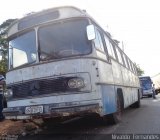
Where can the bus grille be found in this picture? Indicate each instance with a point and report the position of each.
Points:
(41, 87)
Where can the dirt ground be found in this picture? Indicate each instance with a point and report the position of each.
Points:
(8, 127)
(19, 128)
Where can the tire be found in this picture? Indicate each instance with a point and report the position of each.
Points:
(115, 117)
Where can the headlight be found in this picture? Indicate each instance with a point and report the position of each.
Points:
(8, 93)
(76, 83)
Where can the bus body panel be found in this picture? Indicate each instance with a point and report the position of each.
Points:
(128, 84)
(50, 69)
(106, 85)
(125, 75)
(108, 99)
(82, 67)
(105, 73)
(55, 99)
(130, 96)
(117, 73)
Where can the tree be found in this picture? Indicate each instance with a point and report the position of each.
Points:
(4, 44)
(4, 26)
(3, 67)
(139, 70)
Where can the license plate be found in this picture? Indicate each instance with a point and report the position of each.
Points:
(34, 109)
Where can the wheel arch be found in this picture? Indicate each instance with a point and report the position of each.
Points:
(121, 97)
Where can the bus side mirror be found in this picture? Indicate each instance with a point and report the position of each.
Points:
(91, 32)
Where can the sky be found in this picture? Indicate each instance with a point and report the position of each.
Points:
(135, 22)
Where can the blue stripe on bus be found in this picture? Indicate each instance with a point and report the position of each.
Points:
(108, 99)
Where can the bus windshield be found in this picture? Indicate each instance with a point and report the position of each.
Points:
(23, 49)
(64, 39)
(55, 41)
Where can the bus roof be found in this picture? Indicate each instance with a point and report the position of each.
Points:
(44, 16)
(145, 78)
(53, 14)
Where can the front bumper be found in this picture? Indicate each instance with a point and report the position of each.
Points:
(50, 111)
(147, 93)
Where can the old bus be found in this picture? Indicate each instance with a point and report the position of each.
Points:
(62, 63)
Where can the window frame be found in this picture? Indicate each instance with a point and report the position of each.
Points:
(125, 60)
(110, 47)
(57, 22)
(102, 42)
(118, 51)
(19, 34)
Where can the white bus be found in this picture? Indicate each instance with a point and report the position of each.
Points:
(62, 63)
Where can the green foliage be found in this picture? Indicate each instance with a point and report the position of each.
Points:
(4, 26)
(139, 70)
(3, 66)
(4, 44)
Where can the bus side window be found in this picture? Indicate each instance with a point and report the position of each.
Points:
(119, 55)
(125, 61)
(132, 67)
(129, 65)
(98, 42)
(134, 70)
(109, 47)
